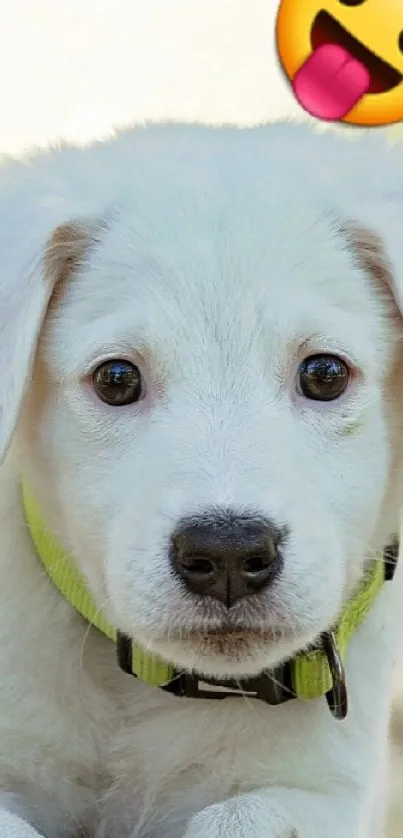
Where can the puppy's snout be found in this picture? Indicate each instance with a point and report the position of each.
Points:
(226, 559)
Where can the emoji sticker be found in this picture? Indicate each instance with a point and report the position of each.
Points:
(344, 58)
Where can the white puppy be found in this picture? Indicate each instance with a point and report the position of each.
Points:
(202, 394)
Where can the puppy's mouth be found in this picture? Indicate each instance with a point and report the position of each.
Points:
(228, 643)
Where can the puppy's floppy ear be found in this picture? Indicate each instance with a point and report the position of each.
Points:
(37, 250)
(377, 240)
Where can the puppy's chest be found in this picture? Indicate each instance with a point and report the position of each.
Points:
(171, 757)
(130, 761)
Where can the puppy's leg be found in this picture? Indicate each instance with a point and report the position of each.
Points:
(280, 813)
(13, 826)
(22, 818)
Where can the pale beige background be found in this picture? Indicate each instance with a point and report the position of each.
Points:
(75, 68)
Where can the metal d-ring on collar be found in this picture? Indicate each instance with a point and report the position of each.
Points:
(336, 697)
(274, 686)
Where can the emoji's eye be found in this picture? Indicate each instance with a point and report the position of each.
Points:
(401, 42)
(352, 2)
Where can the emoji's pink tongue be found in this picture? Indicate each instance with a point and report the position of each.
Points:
(330, 82)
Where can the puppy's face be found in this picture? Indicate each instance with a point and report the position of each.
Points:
(210, 422)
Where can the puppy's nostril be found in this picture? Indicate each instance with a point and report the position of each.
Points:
(255, 565)
(197, 565)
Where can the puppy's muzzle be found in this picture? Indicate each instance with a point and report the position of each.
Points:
(226, 557)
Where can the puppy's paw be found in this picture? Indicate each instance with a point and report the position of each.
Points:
(246, 816)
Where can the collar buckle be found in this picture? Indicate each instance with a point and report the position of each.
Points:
(273, 687)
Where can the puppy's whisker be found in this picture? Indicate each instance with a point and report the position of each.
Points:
(90, 629)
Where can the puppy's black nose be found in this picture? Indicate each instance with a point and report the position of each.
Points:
(226, 558)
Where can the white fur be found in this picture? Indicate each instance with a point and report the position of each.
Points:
(219, 263)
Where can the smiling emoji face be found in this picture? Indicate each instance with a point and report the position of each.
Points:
(344, 58)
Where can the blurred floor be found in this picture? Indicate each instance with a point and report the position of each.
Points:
(396, 801)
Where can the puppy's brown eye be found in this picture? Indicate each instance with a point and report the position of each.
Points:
(323, 377)
(117, 382)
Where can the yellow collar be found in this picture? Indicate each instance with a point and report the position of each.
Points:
(310, 674)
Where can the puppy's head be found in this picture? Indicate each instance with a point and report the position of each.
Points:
(203, 367)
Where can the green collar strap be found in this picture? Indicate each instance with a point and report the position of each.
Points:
(311, 674)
